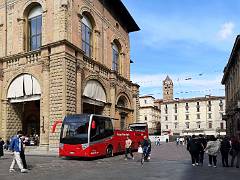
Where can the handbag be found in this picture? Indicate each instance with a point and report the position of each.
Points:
(231, 152)
(140, 150)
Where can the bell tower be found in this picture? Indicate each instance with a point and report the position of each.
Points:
(167, 89)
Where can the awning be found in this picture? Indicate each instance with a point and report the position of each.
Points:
(95, 91)
(93, 102)
(24, 88)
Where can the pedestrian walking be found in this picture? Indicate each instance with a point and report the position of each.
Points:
(128, 149)
(203, 144)
(212, 149)
(146, 145)
(235, 143)
(158, 142)
(187, 139)
(16, 146)
(224, 149)
(177, 141)
(181, 140)
(6, 145)
(1, 147)
(22, 153)
(193, 148)
(140, 152)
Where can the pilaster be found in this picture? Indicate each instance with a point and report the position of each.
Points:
(80, 66)
(113, 94)
(44, 116)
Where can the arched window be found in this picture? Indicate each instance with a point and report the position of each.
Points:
(35, 28)
(87, 29)
(115, 60)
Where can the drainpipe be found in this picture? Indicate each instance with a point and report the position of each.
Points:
(6, 28)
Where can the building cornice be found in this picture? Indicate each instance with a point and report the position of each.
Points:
(194, 99)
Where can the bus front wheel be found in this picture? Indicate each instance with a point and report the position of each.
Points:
(109, 151)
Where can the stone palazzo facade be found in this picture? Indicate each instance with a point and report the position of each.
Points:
(231, 80)
(60, 57)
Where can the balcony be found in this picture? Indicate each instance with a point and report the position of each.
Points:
(14, 61)
(104, 71)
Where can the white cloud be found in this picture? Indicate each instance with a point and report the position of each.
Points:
(226, 30)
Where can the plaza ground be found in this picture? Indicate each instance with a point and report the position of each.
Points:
(168, 162)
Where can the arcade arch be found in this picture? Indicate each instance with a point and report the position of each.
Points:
(24, 95)
(94, 97)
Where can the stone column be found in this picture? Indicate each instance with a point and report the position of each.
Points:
(4, 119)
(63, 89)
(80, 66)
(21, 43)
(136, 103)
(96, 49)
(56, 95)
(113, 94)
(1, 88)
(44, 112)
(44, 28)
(2, 39)
(122, 64)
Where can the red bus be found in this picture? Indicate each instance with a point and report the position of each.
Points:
(89, 135)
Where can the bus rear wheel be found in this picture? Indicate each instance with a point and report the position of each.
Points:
(109, 151)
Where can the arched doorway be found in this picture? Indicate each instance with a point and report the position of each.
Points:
(24, 95)
(94, 98)
(122, 106)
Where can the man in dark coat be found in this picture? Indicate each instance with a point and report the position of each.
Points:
(1, 147)
(203, 144)
(224, 149)
(193, 147)
(235, 142)
(22, 155)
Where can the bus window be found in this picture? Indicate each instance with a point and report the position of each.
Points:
(103, 128)
(108, 128)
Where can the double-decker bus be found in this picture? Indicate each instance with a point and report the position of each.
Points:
(89, 135)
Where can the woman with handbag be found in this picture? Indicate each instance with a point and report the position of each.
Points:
(212, 150)
(235, 151)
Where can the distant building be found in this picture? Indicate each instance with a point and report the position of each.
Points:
(150, 114)
(231, 80)
(201, 115)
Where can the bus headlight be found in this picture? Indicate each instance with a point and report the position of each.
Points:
(84, 146)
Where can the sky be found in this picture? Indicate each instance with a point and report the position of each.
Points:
(189, 40)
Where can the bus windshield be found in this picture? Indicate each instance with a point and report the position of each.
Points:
(138, 127)
(75, 130)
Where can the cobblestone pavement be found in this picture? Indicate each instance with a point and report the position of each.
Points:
(168, 162)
